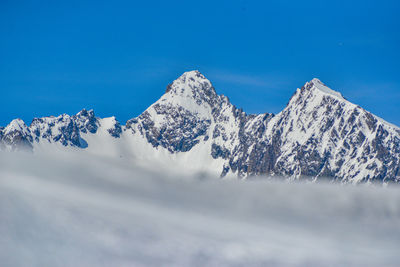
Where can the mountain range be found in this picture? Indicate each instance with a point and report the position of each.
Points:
(192, 129)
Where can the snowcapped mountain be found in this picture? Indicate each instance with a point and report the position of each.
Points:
(192, 128)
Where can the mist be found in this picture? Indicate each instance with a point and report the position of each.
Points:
(72, 209)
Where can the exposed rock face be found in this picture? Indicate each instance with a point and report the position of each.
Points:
(318, 134)
(16, 136)
(184, 115)
(116, 129)
(64, 128)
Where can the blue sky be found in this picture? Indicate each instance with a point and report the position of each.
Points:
(117, 57)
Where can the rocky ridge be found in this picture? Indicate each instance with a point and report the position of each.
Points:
(318, 135)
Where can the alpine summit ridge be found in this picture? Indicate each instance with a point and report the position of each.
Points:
(190, 128)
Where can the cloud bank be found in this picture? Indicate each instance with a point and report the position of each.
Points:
(74, 210)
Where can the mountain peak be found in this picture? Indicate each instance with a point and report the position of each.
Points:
(317, 81)
(191, 83)
(86, 113)
(318, 134)
(316, 84)
(195, 73)
(191, 91)
(16, 125)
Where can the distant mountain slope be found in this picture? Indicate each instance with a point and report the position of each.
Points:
(192, 128)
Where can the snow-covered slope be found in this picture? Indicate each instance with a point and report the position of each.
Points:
(193, 129)
(322, 134)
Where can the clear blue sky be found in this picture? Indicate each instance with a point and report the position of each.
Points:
(118, 56)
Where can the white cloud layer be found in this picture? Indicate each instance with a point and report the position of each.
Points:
(75, 210)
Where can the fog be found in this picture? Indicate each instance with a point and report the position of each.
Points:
(72, 209)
